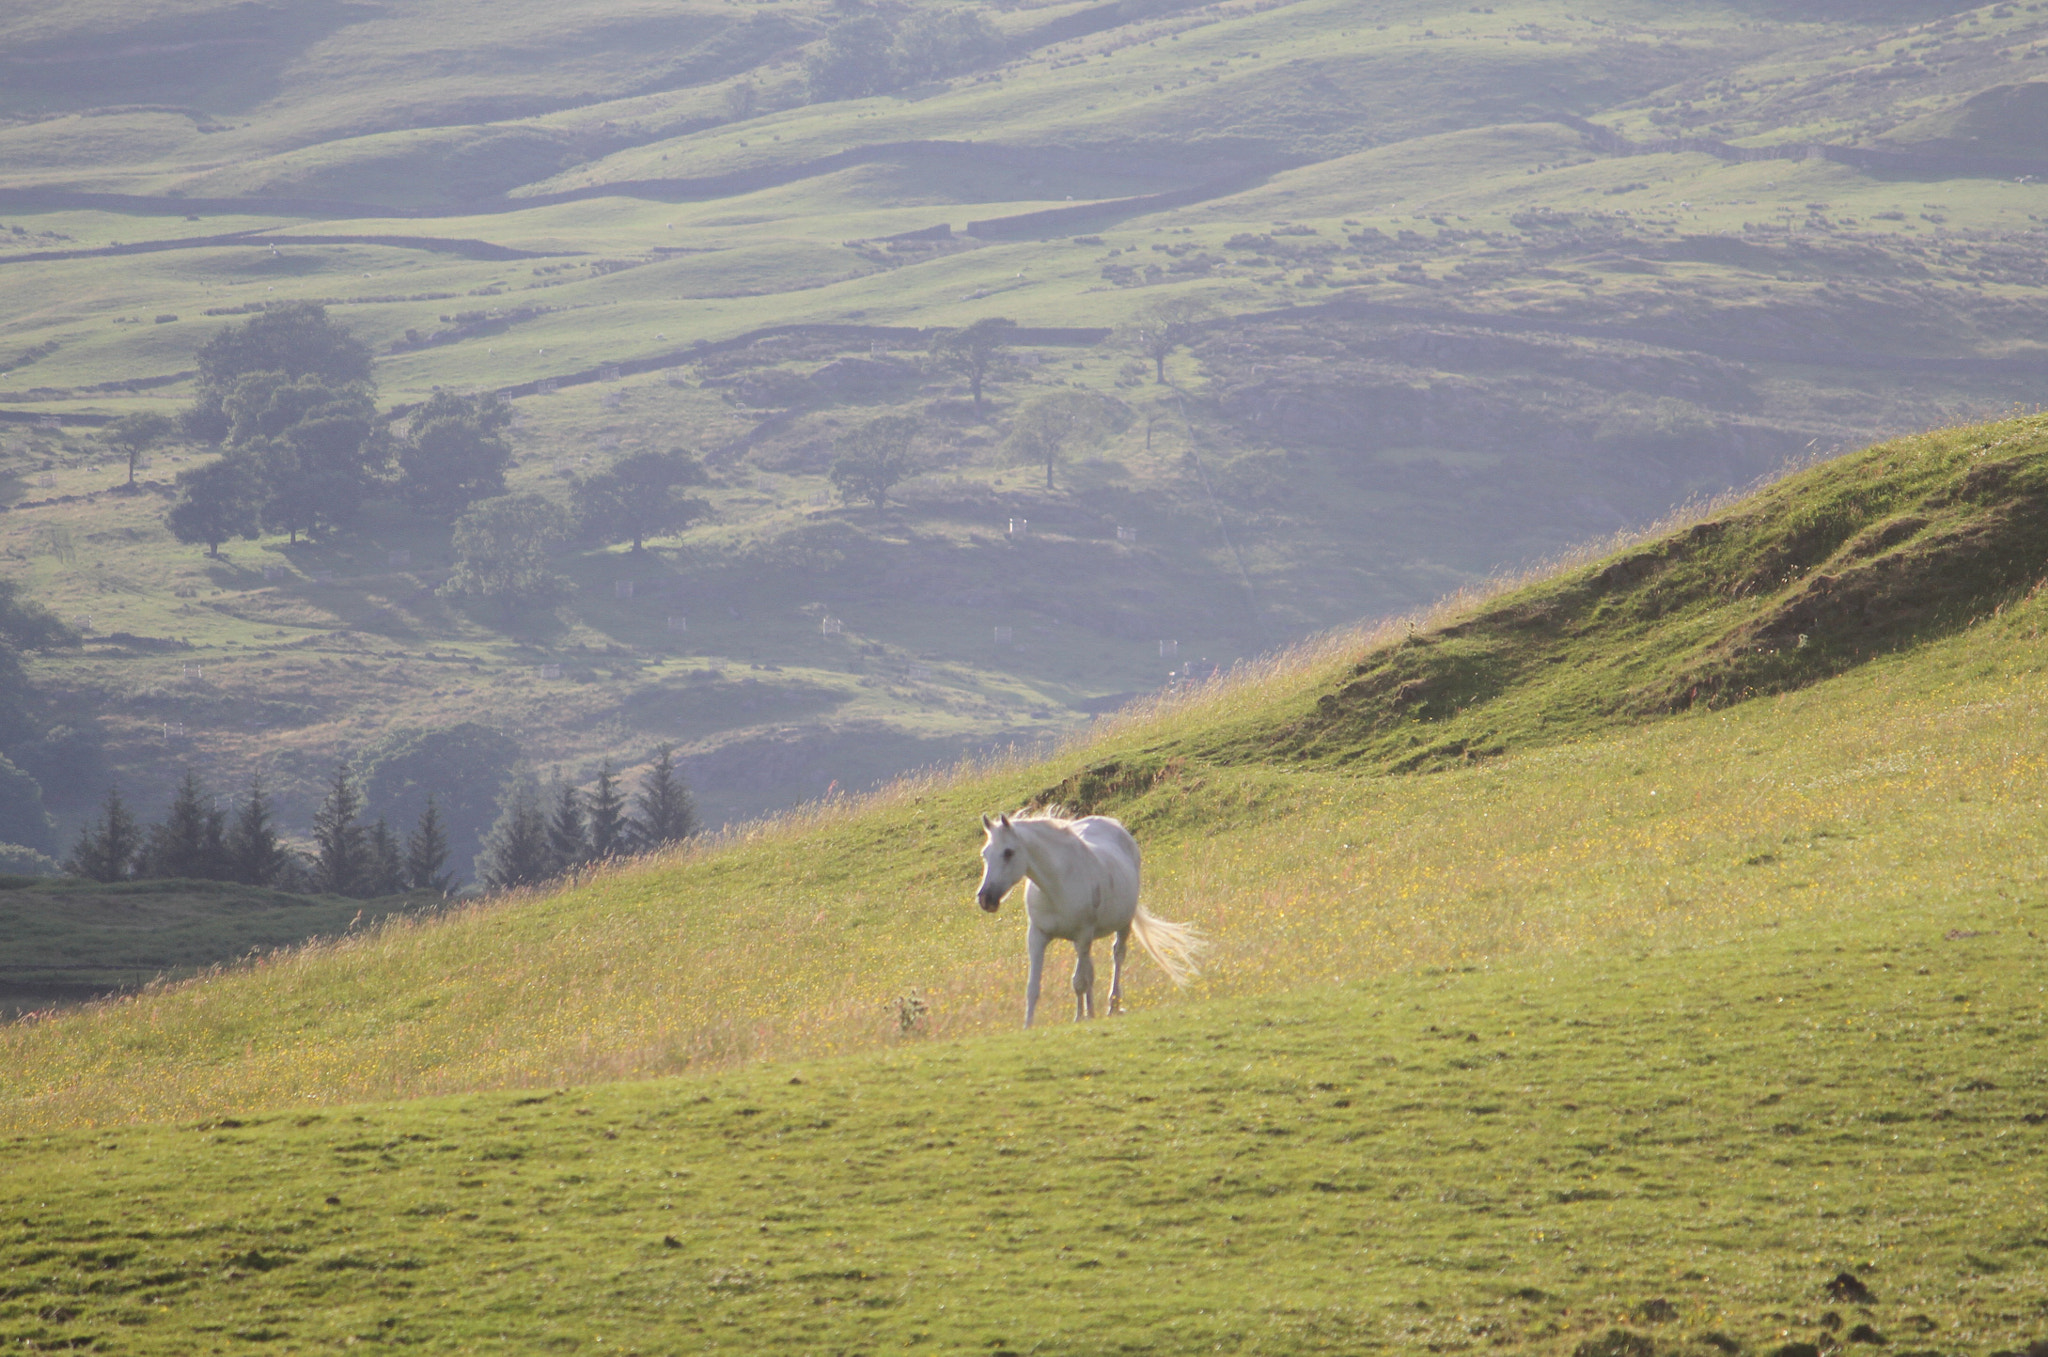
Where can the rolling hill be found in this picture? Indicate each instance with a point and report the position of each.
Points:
(1482, 283)
(1684, 1016)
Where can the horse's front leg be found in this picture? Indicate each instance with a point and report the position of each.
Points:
(1084, 977)
(1036, 943)
(1116, 971)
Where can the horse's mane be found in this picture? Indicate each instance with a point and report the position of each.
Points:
(1054, 814)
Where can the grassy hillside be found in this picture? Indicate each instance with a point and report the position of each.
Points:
(1572, 828)
(69, 940)
(1643, 1150)
(1483, 284)
(1668, 1028)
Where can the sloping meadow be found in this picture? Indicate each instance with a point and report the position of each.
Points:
(1901, 770)
(1806, 1139)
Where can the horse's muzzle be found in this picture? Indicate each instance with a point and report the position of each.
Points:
(990, 902)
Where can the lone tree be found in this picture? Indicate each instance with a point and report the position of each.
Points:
(134, 435)
(1164, 326)
(215, 502)
(663, 810)
(639, 496)
(454, 452)
(1049, 426)
(974, 349)
(502, 549)
(873, 458)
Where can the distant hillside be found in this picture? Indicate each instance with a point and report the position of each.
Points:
(1466, 287)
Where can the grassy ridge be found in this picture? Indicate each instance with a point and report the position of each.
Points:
(1897, 781)
(1638, 1152)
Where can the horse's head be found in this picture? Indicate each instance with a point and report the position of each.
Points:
(1002, 862)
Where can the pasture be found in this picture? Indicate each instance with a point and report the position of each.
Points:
(1632, 1149)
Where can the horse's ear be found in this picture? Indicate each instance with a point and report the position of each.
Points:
(1006, 821)
(984, 822)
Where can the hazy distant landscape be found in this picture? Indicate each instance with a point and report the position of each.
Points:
(1466, 285)
(1533, 516)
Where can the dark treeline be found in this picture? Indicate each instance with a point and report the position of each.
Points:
(543, 832)
(538, 836)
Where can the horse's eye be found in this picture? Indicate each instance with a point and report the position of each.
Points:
(1009, 853)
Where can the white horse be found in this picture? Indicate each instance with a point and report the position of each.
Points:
(1084, 883)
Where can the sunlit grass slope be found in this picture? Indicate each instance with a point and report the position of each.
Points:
(1641, 1152)
(1910, 780)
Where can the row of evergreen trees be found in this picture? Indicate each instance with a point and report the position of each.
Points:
(540, 834)
(199, 840)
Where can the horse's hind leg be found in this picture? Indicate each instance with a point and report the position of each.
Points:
(1116, 971)
(1084, 979)
(1036, 944)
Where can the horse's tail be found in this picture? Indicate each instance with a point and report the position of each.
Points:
(1174, 946)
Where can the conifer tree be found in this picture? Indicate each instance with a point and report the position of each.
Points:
(516, 850)
(568, 838)
(426, 853)
(341, 862)
(663, 810)
(606, 817)
(191, 840)
(107, 846)
(385, 874)
(254, 855)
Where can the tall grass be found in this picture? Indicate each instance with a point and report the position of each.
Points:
(1904, 781)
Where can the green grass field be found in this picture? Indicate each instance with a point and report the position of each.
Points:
(1645, 1149)
(1629, 1038)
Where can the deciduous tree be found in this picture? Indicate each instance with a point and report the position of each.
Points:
(454, 452)
(973, 350)
(1049, 426)
(639, 496)
(503, 547)
(294, 340)
(215, 502)
(133, 435)
(873, 458)
(1162, 327)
